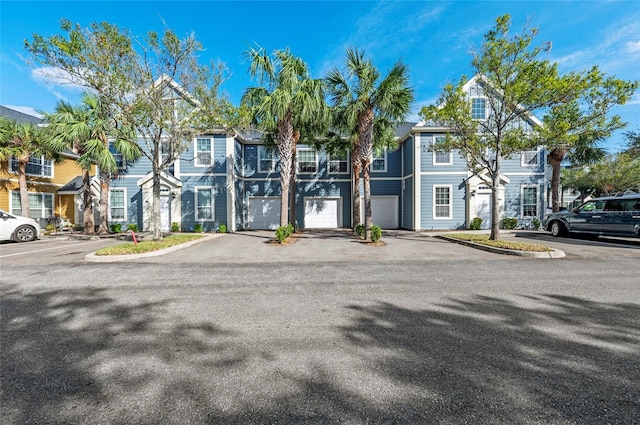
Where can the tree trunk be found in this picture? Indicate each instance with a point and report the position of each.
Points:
(105, 183)
(285, 141)
(368, 215)
(22, 183)
(555, 159)
(495, 216)
(292, 187)
(156, 218)
(87, 204)
(355, 165)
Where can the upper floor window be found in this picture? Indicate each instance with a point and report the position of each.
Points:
(37, 166)
(529, 158)
(441, 157)
(267, 159)
(379, 160)
(40, 204)
(117, 208)
(203, 151)
(307, 160)
(478, 108)
(339, 162)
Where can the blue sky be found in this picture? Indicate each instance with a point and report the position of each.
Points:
(433, 38)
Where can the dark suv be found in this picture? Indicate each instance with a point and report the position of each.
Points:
(611, 216)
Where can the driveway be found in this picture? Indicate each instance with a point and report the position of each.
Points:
(237, 331)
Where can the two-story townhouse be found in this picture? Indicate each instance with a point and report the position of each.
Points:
(440, 191)
(48, 182)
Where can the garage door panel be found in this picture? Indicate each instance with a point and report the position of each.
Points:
(321, 213)
(384, 210)
(264, 213)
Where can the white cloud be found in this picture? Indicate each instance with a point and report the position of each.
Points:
(50, 76)
(633, 46)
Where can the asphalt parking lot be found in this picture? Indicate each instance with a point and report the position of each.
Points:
(326, 330)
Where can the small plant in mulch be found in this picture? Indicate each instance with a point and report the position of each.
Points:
(284, 234)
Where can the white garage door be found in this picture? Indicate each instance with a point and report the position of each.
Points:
(321, 213)
(264, 213)
(384, 210)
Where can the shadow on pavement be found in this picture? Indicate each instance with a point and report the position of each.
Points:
(82, 357)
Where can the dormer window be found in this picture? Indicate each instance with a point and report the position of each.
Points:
(479, 108)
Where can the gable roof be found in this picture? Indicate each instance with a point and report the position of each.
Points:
(19, 117)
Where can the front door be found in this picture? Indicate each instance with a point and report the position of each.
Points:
(165, 213)
(483, 209)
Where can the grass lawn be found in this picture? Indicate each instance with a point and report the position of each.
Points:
(147, 246)
(483, 239)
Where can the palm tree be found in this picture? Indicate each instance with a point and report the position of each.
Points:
(368, 102)
(287, 105)
(21, 141)
(89, 131)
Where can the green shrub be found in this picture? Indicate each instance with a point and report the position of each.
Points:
(222, 228)
(360, 230)
(50, 228)
(116, 228)
(197, 227)
(509, 223)
(475, 224)
(536, 223)
(283, 232)
(132, 226)
(175, 227)
(376, 233)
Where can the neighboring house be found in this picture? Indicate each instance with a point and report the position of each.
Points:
(45, 179)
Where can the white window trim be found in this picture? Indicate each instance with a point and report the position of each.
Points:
(315, 153)
(119, 189)
(53, 201)
(385, 163)
(348, 160)
(14, 170)
(436, 163)
(450, 215)
(529, 186)
(195, 204)
(196, 159)
(524, 163)
(486, 107)
(274, 159)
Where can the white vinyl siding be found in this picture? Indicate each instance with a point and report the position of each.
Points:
(204, 204)
(117, 204)
(442, 202)
(203, 152)
(40, 204)
(36, 166)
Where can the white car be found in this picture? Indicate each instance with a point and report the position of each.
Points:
(18, 228)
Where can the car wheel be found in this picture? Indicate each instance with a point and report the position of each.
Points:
(24, 234)
(557, 229)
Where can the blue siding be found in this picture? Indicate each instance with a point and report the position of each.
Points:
(458, 198)
(219, 164)
(133, 199)
(407, 156)
(218, 184)
(407, 204)
(458, 162)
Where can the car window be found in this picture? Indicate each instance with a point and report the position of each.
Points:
(592, 206)
(614, 205)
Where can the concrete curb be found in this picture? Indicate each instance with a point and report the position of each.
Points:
(555, 253)
(93, 258)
